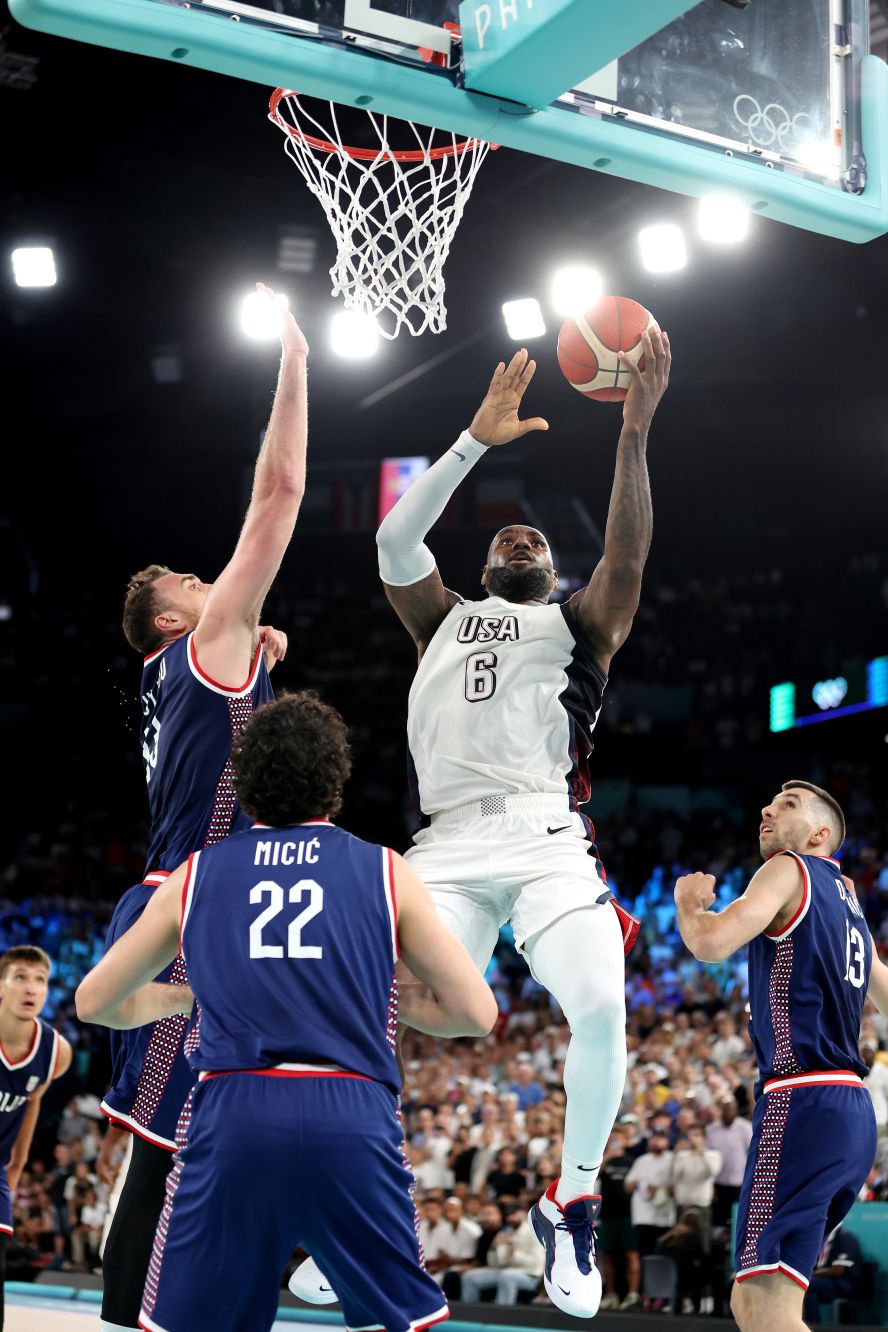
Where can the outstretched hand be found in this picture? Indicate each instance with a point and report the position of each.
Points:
(292, 338)
(274, 645)
(496, 420)
(648, 385)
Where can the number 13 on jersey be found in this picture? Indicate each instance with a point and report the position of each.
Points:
(855, 956)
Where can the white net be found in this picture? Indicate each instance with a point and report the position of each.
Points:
(393, 213)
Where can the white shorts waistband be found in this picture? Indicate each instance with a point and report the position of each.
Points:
(491, 806)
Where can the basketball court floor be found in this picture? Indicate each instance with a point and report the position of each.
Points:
(26, 1313)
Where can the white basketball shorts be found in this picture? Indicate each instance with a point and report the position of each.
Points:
(527, 861)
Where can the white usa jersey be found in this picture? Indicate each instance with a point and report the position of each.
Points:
(504, 703)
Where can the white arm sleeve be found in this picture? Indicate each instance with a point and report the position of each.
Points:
(404, 558)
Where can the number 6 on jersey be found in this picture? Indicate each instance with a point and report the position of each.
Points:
(480, 676)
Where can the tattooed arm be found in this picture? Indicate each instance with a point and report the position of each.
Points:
(605, 609)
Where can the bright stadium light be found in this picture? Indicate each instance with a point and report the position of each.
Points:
(261, 316)
(575, 289)
(354, 335)
(722, 219)
(34, 266)
(663, 248)
(822, 157)
(524, 319)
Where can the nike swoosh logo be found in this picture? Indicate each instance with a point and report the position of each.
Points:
(587, 1167)
(563, 1291)
(555, 830)
(330, 1288)
(458, 454)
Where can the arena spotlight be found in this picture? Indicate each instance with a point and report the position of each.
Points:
(524, 319)
(354, 335)
(34, 266)
(722, 219)
(821, 156)
(663, 248)
(575, 289)
(260, 316)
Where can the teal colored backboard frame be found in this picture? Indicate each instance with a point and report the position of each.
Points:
(359, 77)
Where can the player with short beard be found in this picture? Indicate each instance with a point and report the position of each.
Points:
(812, 963)
(501, 712)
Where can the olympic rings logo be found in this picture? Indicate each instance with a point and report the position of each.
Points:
(772, 126)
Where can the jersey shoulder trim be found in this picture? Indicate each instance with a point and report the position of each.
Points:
(152, 656)
(35, 1046)
(804, 905)
(54, 1056)
(187, 895)
(391, 901)
(582, 645)
(207, 680)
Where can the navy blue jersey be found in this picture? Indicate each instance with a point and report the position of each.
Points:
(808, 981)
(19, 1080)
(150, 1076)
(188, 723)
(290, 939)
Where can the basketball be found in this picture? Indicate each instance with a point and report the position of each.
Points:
(588, 345)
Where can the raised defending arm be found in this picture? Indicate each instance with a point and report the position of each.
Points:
(714, 935)
(407, 567)
(606, 608)
(226, 636)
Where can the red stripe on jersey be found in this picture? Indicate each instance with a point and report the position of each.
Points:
(228, 689)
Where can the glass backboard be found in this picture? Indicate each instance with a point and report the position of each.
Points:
(778, 103)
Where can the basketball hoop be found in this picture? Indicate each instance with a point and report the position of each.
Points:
(393, 212)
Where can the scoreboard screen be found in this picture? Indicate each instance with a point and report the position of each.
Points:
(859, 689)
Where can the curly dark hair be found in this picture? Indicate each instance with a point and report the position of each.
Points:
(292, 760)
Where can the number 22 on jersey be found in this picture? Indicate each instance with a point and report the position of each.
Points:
(295, 947)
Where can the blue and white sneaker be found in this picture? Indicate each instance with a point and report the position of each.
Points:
(308, 1283)
(572, 1281)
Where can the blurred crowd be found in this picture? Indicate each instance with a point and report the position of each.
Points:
(484, 1119)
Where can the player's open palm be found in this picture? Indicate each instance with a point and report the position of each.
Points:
(496, 420)
(648, 385)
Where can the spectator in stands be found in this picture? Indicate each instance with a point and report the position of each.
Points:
(453, 1243)
(514, 1262)
(876, 1083)
(684, 1245)
(730, 1136)
(837, 1274)
(728, 1045)
(86, 1232)
(617, 1241)
(529, 1090)
(694, 1170)
(634, 1144)
(506, 1181)
(431, 1211)
(649, 1182)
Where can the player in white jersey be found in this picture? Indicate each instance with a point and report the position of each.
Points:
(507, 692)
(500, 716)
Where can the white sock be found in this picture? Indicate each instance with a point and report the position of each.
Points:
(579, 959)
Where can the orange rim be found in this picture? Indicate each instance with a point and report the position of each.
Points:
(363, 154)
